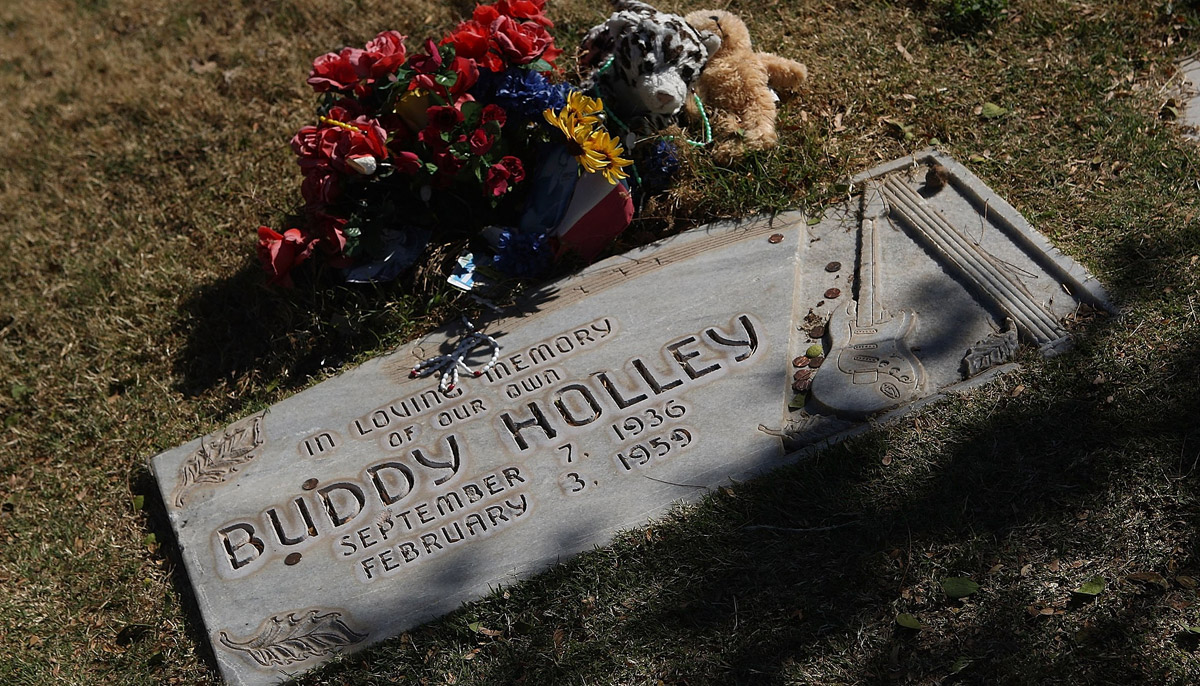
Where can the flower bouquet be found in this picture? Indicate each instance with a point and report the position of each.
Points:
(473, 136)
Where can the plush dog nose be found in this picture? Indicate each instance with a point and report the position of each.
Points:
(665, 97)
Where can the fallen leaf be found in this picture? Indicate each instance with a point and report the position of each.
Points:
(1148, 577)
(909, 622)
(1185, 581)
(959, 587)
(991, 110)
(1091, 587)
(903, 52)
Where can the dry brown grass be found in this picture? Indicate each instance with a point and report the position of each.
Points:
(142, 143)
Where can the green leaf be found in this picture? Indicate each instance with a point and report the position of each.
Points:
(814, 350)
(813, 221)
(960, 664)
(539, 65)
(1092, 586)
(475, 626)
(798, 401)
(20, 391)
(899, 129)
(139, 501)
(909, 622)
(150, 539)
(959, 587)
(992, 111)
(1192, 630)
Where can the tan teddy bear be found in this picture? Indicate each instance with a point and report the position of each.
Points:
(736, 86)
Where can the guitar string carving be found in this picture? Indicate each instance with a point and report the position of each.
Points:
(448, 365)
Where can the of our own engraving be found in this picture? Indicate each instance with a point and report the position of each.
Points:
(401, 409)
(218, 458)
(286, 639)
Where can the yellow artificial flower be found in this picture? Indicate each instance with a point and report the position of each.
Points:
(607, 148)
(578, 136)
(585, 108)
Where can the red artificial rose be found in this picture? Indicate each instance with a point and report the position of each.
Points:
(304, 143)
(468, 74)
(481, 142)
(386, 52)
(485, 14)
(444, 117)
(503, 175)
(407, 162)
(470, 40)
(520, 43)
(493, 112)
(432, 138)
(330, 236)
(530, 10)
(335, 71)
(429, 62)
(335, 144)
(278, 253)
(320, 186)
(448, 166)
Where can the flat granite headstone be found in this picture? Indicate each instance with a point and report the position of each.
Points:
(372, 502)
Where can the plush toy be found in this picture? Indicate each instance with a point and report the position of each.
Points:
(737, 85)
(643, 63)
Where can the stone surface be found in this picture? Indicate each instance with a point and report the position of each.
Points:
(371, 502)
(1190, 115)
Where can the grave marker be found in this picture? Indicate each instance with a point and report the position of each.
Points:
(373, 502)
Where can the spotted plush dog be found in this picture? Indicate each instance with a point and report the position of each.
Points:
(656, 58)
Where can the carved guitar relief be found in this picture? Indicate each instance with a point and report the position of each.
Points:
(874, 369)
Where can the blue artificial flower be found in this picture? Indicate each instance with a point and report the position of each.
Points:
(523, 255)
(525, 94)
(661, 164)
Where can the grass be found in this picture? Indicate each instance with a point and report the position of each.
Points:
(142, 143)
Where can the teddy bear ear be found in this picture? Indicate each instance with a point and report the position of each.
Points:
(711, 43)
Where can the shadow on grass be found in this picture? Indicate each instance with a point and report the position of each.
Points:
(244, 334)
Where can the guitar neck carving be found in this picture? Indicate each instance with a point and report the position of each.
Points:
(875, 368)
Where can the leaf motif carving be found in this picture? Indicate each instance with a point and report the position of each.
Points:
(282, 640)
(219, 457)
(996, 349)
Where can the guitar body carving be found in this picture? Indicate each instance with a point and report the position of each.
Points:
(875, 368)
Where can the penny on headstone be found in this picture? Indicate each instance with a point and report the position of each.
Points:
(817, 332)
(832, 293)
(833, 267)
(801, 361)
(775, 238)
(816, 362)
